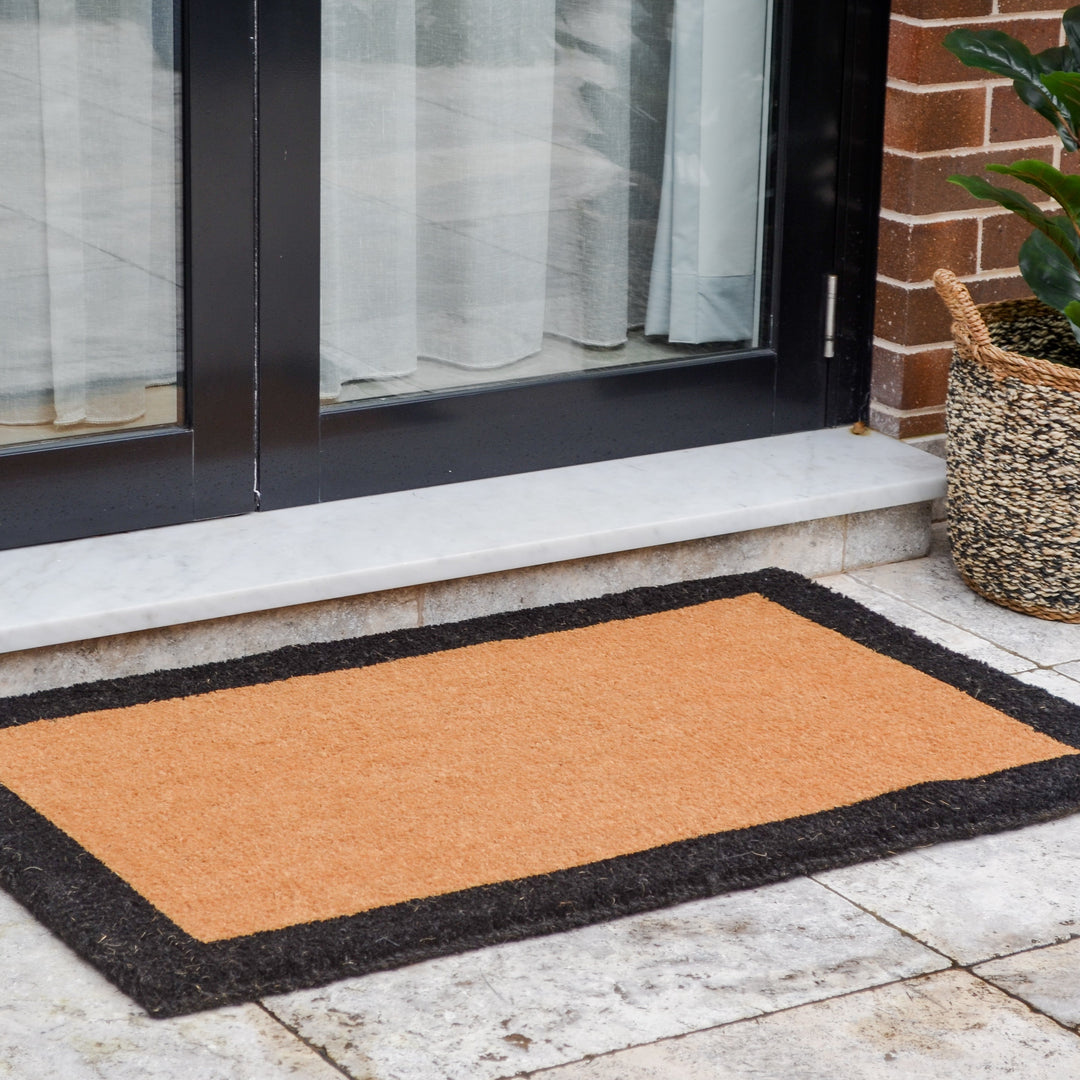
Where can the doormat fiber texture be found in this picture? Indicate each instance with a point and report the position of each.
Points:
(224, 832)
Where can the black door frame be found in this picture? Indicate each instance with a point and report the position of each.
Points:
(136, 479)
(827, 154)
(255, 437)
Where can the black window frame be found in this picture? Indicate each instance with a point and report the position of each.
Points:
(828, 96)
(141, 478)
(255, 437)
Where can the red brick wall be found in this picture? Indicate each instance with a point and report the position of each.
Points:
(943, 118)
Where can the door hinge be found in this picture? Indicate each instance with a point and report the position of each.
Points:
(832, 284)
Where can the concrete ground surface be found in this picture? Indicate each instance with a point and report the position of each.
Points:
(955, 961)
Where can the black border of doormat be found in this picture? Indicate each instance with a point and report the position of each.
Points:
(170, 973)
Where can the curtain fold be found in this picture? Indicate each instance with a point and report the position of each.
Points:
(89, 281)
(704, 271)
(485, 85)
(588, 257)
(495, 173)
(485, 201)
(370, 325)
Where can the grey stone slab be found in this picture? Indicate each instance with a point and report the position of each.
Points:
(1047, 978)
(930, 444)
(60, 1020)
(949, 1026)
(929, 626)
(810, 547)
(977, 899)
(934, 585)
(208, 641)
(539, 1003)
(1071, 670)
(1054, 682)
(885, 536)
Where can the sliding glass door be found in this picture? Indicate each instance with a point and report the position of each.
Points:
(547, 187)
(554, 231)
(126, 245)
(255, 255)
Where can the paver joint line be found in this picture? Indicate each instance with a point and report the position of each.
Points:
(319, 1050)
(1023, 1001)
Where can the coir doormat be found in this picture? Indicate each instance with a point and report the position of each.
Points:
(224, 832)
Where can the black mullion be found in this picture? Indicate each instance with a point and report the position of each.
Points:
(219, 50)
(289, 46)
(857, 219)
(830, 205)
(812, 63)
(775, 162)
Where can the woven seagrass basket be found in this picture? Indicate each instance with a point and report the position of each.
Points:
(1013, 453)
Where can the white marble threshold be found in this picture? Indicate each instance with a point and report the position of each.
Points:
(80, 589)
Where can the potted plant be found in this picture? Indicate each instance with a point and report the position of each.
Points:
(1013, 408)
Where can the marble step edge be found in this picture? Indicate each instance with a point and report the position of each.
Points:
(820, 547)
(101, 586)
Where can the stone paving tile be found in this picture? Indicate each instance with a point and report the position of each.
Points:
(977, 899)
(1053, 682)
(60, 1020)
(1047, 978)
(934, 585)
(929, 626)
(1071, 670)
(949, 1026)
(539, 1003)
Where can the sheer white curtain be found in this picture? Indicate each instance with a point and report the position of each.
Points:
(704, 269)
(89, 295)
(492, 173)
(437, 158)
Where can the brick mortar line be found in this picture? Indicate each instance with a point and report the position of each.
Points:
(904, 414)
(974, 20)
(976, 213)
(910, 350)
(969, 151)
(894, 83)
(967, 279)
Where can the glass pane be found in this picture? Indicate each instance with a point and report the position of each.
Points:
(524, 189)
(90, 197)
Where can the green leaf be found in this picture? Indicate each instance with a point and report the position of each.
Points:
(1000, 54)
(1059, 58)
(1064, 93)
(1065, 190)
(1035, 97)
(1053, 277)
(1072, 313)
(994, 51)
(1071, 21)
(1056, 229)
